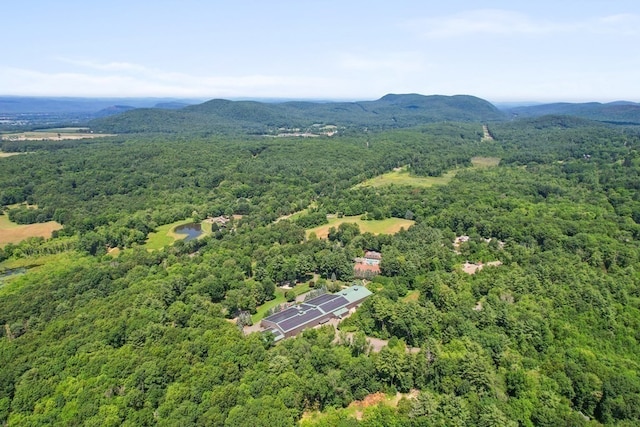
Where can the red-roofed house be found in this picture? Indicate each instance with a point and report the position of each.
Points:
(369, 266)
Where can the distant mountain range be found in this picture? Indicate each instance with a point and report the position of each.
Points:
(57, 105)
(614, 112)
(219, 115)
(134, 115)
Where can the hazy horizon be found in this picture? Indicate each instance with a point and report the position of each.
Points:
(302, 99)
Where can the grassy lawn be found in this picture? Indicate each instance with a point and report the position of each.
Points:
(485, 162)
(53, 134)
(411, 296)
(401, 176)
(114, 252)
(10, 232)
(279, 299)
(3, 154)
(5, 224)
(63, 130)
(384, 226)
(293, 215)
(165, 236)
(298, 214)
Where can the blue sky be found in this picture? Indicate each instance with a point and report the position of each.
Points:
(498, 50)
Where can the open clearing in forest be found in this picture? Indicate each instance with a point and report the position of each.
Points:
(165, 234)
(357, 408)
(402, 176)
(485, 162)
(411, 296)
(298, 214)
(383, 226)
(486, 133)
(3, 154)
(9, 285)
(473, 268)
(10, 232)
(57, 134)
(279, 299)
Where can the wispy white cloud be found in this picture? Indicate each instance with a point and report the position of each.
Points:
(623, 24)
(508, 22)
(484, 21)
(156, 83)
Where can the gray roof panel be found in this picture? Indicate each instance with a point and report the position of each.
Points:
(334, 304)
(301, 319)
(321, 299)
(282, 315)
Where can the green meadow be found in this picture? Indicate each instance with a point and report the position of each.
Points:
(402, 176)
(383, 226)
(165, 234)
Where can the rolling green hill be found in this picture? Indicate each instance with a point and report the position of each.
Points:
(616, 112)
(219, 115)
(43, 104)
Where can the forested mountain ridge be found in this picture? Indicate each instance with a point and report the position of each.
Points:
(42, 104)
(221, 116)
(615, 112)
(30, 112)
(550, 337)
(388, 112)
(392, 111)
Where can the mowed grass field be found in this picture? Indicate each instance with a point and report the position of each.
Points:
(297, 214)
(53, 134)
(384, 226)
(3, 154)
(165, 236)
(10, 232)
(279, 299)
(402, 176)
(485, 162)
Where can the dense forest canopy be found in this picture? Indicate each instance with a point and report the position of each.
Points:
(547, 336)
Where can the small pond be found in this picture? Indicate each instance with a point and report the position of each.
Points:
(192, 231)
(12, 272)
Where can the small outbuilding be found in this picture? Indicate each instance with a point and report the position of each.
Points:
(368, 266)
(372, 257)
(220, 221)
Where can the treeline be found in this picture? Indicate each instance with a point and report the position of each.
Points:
(32, 215)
